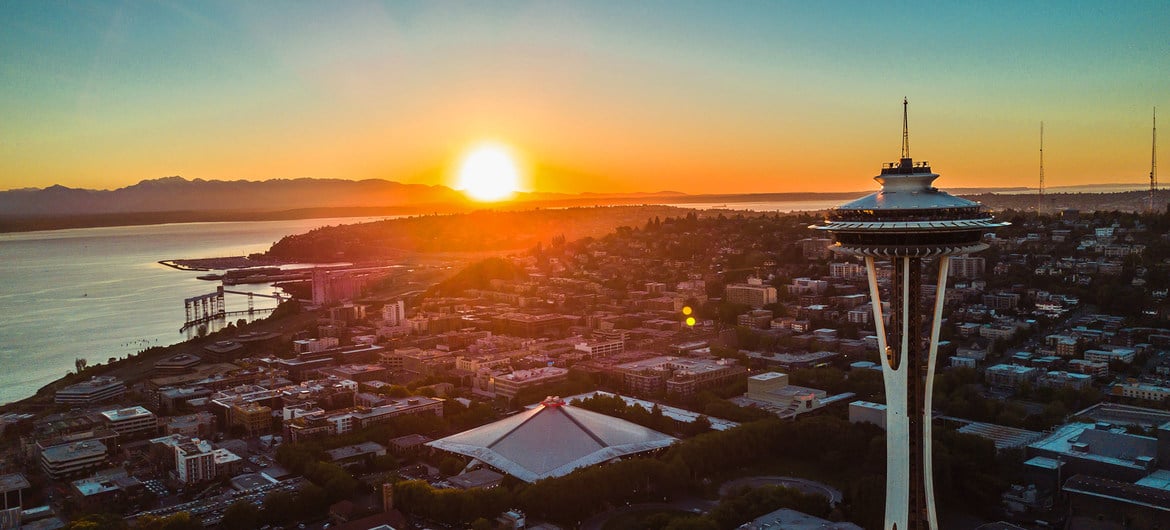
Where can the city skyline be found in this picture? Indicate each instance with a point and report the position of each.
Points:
(598, 97)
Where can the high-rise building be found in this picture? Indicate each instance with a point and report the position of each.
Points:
(909, 222)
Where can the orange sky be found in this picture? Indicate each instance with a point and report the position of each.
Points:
(601, 97)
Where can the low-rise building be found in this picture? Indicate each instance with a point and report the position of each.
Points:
(1143, 391)
(601, 348)
(1009, 375)
(677, 375)
(1062, 379)
(1125, 355)
(95, 390)
(508, 385)
(361, 455)
(73, 459)
(773, 389)
(131, 422)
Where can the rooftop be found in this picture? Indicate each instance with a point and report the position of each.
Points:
(789, 519)
(552, 440)
(350, 451)
(1003, 437)
(136, 411)
(1084, 440)
(13, 482)
(73, 451)
(1157, 499)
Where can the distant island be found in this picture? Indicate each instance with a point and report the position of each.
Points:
(179, 200)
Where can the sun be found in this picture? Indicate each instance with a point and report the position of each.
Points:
(489, 173)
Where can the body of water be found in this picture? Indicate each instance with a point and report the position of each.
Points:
(765, 206)
(96, 293)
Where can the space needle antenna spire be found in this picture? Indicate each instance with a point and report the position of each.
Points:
(905, 129)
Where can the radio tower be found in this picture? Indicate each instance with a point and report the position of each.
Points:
(1154, 163)
(907, 222)
(1040, 199)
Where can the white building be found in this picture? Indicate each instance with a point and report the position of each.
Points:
(70, 459)
(601, 348)
(97, 389)
(194, 461)
(1125, 355)
(130, 422)
(394, 313)
(315, 345)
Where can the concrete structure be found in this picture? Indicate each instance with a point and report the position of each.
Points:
(480, 478)
(360, 455)
(1143, 391)
(1009, 375)
(868, 412)
(12, 487)
(131, 422)
(753, 293)
(907, 222)
(509, 385)
(96, 390)
(1098, 450)
(194, 461)
(677, 375)
(72, 459)
(773, 388)
(601, 348)
(1125, 355)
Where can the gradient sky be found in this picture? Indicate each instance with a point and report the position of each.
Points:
(704, 97)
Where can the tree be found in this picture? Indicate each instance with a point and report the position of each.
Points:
(450, 466)
(279, 506)
(98, 521)
(241, 515)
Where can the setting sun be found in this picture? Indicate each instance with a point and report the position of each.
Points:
(489, 173)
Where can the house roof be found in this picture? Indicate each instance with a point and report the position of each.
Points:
(552, 440)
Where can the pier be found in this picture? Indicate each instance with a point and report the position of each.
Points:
(210, 307)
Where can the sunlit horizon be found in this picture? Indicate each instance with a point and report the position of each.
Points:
(600, 97)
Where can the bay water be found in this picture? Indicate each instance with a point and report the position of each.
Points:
(97, 293)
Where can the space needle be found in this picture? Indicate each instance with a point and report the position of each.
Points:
(908, 222)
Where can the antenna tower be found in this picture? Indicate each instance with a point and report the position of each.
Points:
(1154, 162)
(905, 129)
(1040, 199)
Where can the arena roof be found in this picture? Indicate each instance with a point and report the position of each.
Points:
(552, 440)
